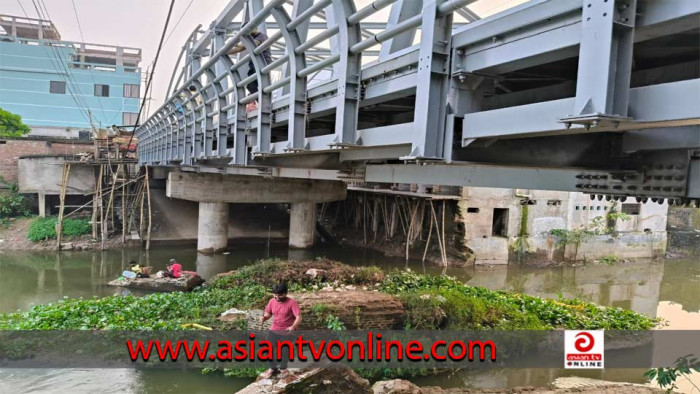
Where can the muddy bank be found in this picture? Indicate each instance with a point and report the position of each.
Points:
(13, 236)
(343, 380)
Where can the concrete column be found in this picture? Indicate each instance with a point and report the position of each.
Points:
(42, 204)
(302, 225)
(212, 229)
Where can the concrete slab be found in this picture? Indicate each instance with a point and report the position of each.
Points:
(251, 189)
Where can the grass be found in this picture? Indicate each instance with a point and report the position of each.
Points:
(45, 228)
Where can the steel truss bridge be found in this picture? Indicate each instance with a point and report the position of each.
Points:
(595, 96)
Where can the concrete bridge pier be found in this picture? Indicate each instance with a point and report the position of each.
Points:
(212, 227)
(302, 225)
(214, 192)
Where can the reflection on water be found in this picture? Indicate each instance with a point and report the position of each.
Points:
(667, 289)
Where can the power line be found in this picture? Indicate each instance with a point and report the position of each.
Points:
(80, 29)
(72, 85)
(57, 67)
(76, 84)
(170, 34)
(23, 10)
(178, 21)
(150, 79)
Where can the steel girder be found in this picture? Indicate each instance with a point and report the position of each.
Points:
(419, 99)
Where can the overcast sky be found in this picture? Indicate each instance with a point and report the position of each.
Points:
(139, 23)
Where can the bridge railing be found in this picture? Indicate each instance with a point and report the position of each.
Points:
(209, 121)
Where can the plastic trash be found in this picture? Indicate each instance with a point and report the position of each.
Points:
(129, 274)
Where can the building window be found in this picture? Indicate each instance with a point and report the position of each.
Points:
(101, 90)
(472, 210)
(129, 118)
(58, 87)
(132, 91)
(500, 222)
(631, 209)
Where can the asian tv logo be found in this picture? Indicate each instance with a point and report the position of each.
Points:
(584, 349)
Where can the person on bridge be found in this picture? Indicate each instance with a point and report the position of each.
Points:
(286, 316)
(258, 37)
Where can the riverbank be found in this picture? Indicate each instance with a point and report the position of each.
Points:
(664, 288)
(13, 236)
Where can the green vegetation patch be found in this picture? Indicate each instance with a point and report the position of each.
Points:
(435, 302)
(164, 311)
(431, 302)
(12, 203)
(45, 228)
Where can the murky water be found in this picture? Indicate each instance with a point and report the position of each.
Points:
(669, 289)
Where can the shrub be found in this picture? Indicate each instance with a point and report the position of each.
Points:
(12, 203)
(45, 228)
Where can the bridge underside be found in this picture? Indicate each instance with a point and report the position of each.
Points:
(589, 96)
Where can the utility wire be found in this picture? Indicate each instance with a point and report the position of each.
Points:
(168, 38)
(92, 76)
(178, 22)
(23, 10)
(79, 106)
(70, 75)
(150, 79)
(72, 85)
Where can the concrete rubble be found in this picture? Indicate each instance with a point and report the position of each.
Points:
(312, 380)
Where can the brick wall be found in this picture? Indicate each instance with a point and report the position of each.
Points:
(12, 149)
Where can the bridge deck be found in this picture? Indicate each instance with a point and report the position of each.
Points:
(607, 90)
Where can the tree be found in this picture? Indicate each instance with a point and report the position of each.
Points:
(11, 125)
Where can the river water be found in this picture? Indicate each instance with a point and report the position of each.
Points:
(669, 289)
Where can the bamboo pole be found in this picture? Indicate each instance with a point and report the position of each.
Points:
(437, 227)
(64, 184)
(427, 242)
(103, 222)
(375, 218)
(394, 220)
(98, 185)
(124, 190)
(410, 227)
(444, 251)
(150, 212)
(364, 218)
(143, 191)
(110, 210)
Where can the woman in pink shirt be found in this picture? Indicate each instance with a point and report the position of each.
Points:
(286, 316)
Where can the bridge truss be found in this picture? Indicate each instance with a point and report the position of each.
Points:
(596, 96)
